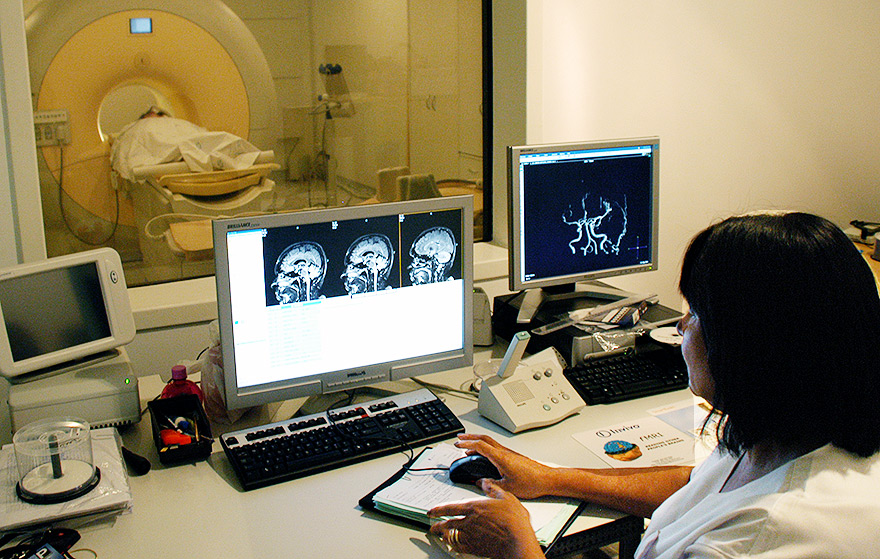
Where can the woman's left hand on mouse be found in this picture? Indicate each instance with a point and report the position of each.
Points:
(498, 527)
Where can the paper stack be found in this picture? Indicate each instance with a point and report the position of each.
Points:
(112, 495)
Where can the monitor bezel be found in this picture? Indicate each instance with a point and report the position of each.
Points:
(515, 248)
(114, 293)
(241, 397)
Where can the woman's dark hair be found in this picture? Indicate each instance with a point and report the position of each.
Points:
(790, 316)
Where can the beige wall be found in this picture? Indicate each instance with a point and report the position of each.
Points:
(758, 104)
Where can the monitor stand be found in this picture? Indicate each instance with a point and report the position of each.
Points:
(534, 298)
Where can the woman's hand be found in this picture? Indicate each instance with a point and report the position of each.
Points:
(521, 476)
(498, 527)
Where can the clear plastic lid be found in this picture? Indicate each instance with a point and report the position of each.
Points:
(54, 459)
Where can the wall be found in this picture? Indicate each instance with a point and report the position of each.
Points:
(281, 28)
(757, 104)
(19, 200)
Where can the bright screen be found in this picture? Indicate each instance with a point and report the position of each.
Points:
(325, 300)
(582, 211)
(140, 25)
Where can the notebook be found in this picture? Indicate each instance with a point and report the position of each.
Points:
(409, 494)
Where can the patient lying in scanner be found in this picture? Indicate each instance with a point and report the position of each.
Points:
(164, 139)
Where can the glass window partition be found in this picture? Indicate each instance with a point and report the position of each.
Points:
(262, 107)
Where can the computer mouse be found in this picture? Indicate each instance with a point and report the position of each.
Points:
(137, 463)
(471, 468)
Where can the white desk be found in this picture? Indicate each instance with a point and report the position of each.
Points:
(199, 510)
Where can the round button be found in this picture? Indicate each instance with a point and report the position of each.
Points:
(537, 376)
(548, 373)
(565, 396)
(547, 407)
(554, 400)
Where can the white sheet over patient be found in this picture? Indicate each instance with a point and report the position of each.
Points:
(151, 141)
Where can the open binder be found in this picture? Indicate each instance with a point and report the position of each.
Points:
(408, 494)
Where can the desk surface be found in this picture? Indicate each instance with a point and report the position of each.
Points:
(199, 510)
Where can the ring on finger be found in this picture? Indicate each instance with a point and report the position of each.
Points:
(453, 536)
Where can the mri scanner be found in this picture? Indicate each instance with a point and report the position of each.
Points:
(107, 61)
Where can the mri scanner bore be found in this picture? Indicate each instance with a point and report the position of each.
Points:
(241, 128)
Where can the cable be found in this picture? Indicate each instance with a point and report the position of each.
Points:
(468, 394)
(64, 214)
(427, 469)
(405, 447)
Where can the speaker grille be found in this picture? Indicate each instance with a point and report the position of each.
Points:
(518, 391)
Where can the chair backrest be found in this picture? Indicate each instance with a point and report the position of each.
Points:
(417, 187)
(388, 190)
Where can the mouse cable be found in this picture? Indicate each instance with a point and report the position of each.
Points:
(398, 439)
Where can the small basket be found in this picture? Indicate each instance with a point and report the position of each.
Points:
(165, 414)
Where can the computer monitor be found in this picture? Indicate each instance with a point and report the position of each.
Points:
(325, 300)
(62, 312)
(580, 212)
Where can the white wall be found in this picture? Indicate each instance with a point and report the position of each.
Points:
(768, 103)
(20, 213)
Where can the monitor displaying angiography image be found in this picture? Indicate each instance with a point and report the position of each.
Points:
(325, 300)
(582, 211)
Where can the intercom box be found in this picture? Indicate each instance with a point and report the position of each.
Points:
(575, 345)
(536, 394)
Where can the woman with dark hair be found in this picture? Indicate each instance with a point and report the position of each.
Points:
(781, 338)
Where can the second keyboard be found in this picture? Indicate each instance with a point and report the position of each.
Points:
(625, 376)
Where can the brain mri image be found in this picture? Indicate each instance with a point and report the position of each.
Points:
(299, 273)
(600, 228)
(432, 254)
(368, 262)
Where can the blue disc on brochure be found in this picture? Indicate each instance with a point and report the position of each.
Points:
(614, 447)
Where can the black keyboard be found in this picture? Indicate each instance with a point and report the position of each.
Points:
(625, 376)
(306, 445)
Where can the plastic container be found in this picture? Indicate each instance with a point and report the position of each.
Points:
(196, 441)
(213, 383)
(179, 385)
(54, 460)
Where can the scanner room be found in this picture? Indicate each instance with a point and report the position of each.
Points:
(317, 110)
